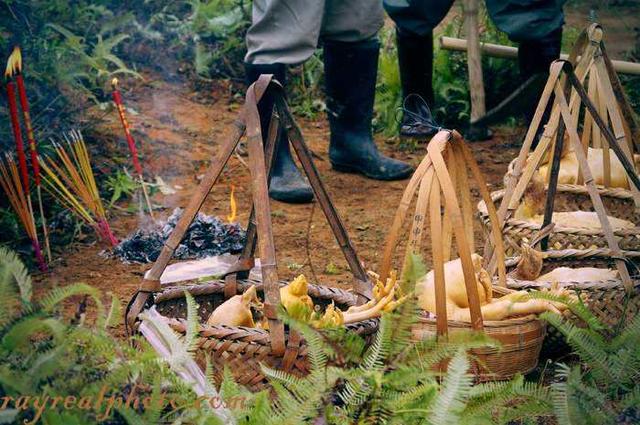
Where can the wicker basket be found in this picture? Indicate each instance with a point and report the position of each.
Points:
(618, 203)
(608, 300)
(244, 349)
(521, 341)
(521, 338)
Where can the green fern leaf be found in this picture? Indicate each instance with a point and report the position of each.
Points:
(11, 268)
(114, 317)
(192, 322)
(456, 387)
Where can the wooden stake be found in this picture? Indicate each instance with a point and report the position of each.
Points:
(474, 59)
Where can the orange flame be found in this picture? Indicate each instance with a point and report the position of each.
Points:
(232, 204)
(14, 63)
(114, 83)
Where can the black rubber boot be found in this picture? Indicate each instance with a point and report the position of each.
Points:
(350, 76)
(286, 184)
(415, 58)
(535, 57)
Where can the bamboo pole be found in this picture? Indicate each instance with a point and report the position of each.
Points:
(474, 60)
(510, 52)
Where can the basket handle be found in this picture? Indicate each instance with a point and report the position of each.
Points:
(361, 283)
(431, 176)
(283, 119)
(151, 282)
(405, 202)
(452, 207)
(264, 228)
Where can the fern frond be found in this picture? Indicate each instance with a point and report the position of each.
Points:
(287, 379)
(318, 350)
(454, 392)
(578, 308)
(57, 295)
(114, 317)
(19, 335)
(414, 269)
(192, 322)
(590, 346)
(11, 268)
(630, 335)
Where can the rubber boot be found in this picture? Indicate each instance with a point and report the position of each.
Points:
(286, 183)
(415, 59)
(350, 78)
(535, 56)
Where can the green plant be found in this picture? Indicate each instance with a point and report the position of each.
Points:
(88, 64)
(305, 86)
(120, 185)
(388, 87)
(212, 30)
(46, 356)
(603, 387)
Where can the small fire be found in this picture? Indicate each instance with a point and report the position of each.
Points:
(114, 83)
(14, 63)
(232, 204)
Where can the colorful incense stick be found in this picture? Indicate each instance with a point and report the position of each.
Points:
(19, 200)
(117, 99)
(70, 179)
(33, 150)
(15, 124)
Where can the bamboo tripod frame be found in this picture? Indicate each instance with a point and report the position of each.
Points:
(604, 90)
(259, 229)
(563, 118)
(441, 180)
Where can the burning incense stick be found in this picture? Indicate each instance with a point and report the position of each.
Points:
(13, 64)
(24, 104)
(15, 122)
(117, 99)
(70, 179)
(19, 200)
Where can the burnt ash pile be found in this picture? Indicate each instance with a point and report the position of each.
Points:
(205, 237)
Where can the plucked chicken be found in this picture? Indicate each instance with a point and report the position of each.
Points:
(532, 207)
(236, 311)
(569, 168)
(511, 305)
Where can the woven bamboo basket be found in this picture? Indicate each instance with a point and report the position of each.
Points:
(522, 337)
(242, 349)
(580, 113)
(570, 197)
(609, 300)
(521, 341)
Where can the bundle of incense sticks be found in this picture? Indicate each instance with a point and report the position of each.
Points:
(18, 198)
(69, 178)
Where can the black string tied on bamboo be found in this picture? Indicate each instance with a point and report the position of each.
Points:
(415, 112)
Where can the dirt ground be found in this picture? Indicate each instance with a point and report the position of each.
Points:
(181, 129)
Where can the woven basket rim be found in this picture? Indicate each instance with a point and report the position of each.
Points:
(256, 335)
(570, 188)
(506, 323)
(609, 285)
